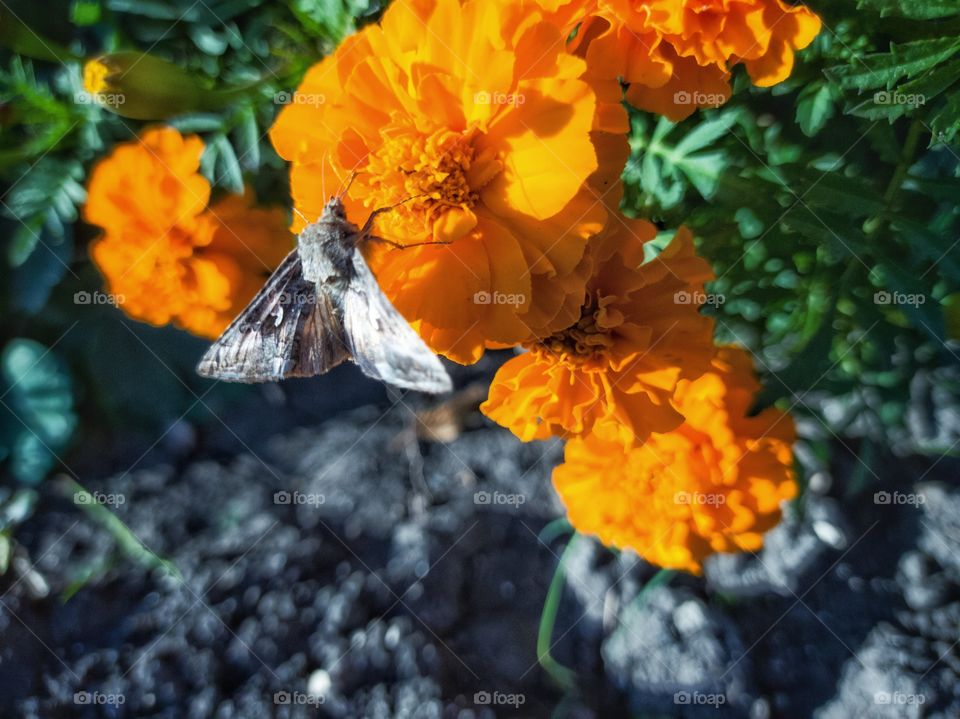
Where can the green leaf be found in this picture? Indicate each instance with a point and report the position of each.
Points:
(42, 202)
(665, 171)
(36, 410)
(750, 225)
(208, 40)
(247, 140)
(85, 12)
(227, 172)
(33, 281)
(174, 10)
(324, 18)
(815, 107)
(913, 9)
(198, 122)
(886, 68)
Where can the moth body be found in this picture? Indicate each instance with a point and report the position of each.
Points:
(320, 307)
(327, 246)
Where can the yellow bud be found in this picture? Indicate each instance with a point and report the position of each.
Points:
(144, 87)
(95, 77)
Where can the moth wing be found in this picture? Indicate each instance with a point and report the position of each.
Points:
(290, 329)
(381, 340)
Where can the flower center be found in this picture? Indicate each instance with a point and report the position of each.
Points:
(427, 173)
(590, 336)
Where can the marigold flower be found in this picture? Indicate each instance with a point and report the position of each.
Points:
(614, 369)
(677, 55)
(472, 123)
(167, 256)
(713, 485)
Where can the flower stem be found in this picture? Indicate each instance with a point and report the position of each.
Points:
(561, 675)
(660, 578)
(874, 224)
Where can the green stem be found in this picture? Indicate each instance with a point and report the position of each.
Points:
(557, 528)
(128, 542)
(561, 675)
(875, 224)
(660, 578)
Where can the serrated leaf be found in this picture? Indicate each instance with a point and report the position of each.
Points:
(706, 133)
(247, 140)
(37, 410)
(815, 107)
(42, 201)
(883, 70)
(703, 171)
(227, 171)
(913, 9)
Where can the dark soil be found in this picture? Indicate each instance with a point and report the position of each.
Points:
(383, 585)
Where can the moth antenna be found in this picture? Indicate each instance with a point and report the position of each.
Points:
(301, 215)
(345, 190)
(353, 176)
(323, 175)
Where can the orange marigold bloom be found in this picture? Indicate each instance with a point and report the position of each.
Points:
(677, 55)
(713, 485)
(167, 256)
(471, 121)
(613, 370)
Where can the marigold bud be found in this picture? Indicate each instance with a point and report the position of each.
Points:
(143, 87)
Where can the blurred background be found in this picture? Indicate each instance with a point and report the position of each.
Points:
(174, 548)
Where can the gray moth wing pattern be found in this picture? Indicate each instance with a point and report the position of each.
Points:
(320, 307)
(381, 341)
(291, 328)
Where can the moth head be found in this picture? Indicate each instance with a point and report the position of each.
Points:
(334, 209)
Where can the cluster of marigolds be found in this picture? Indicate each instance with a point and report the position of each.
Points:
(505, 123)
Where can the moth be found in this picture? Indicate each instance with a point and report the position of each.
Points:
(320, 307)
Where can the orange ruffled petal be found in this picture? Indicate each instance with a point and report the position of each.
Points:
(677, 55)
(166, 255)
(715, 484)
(615, 368)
